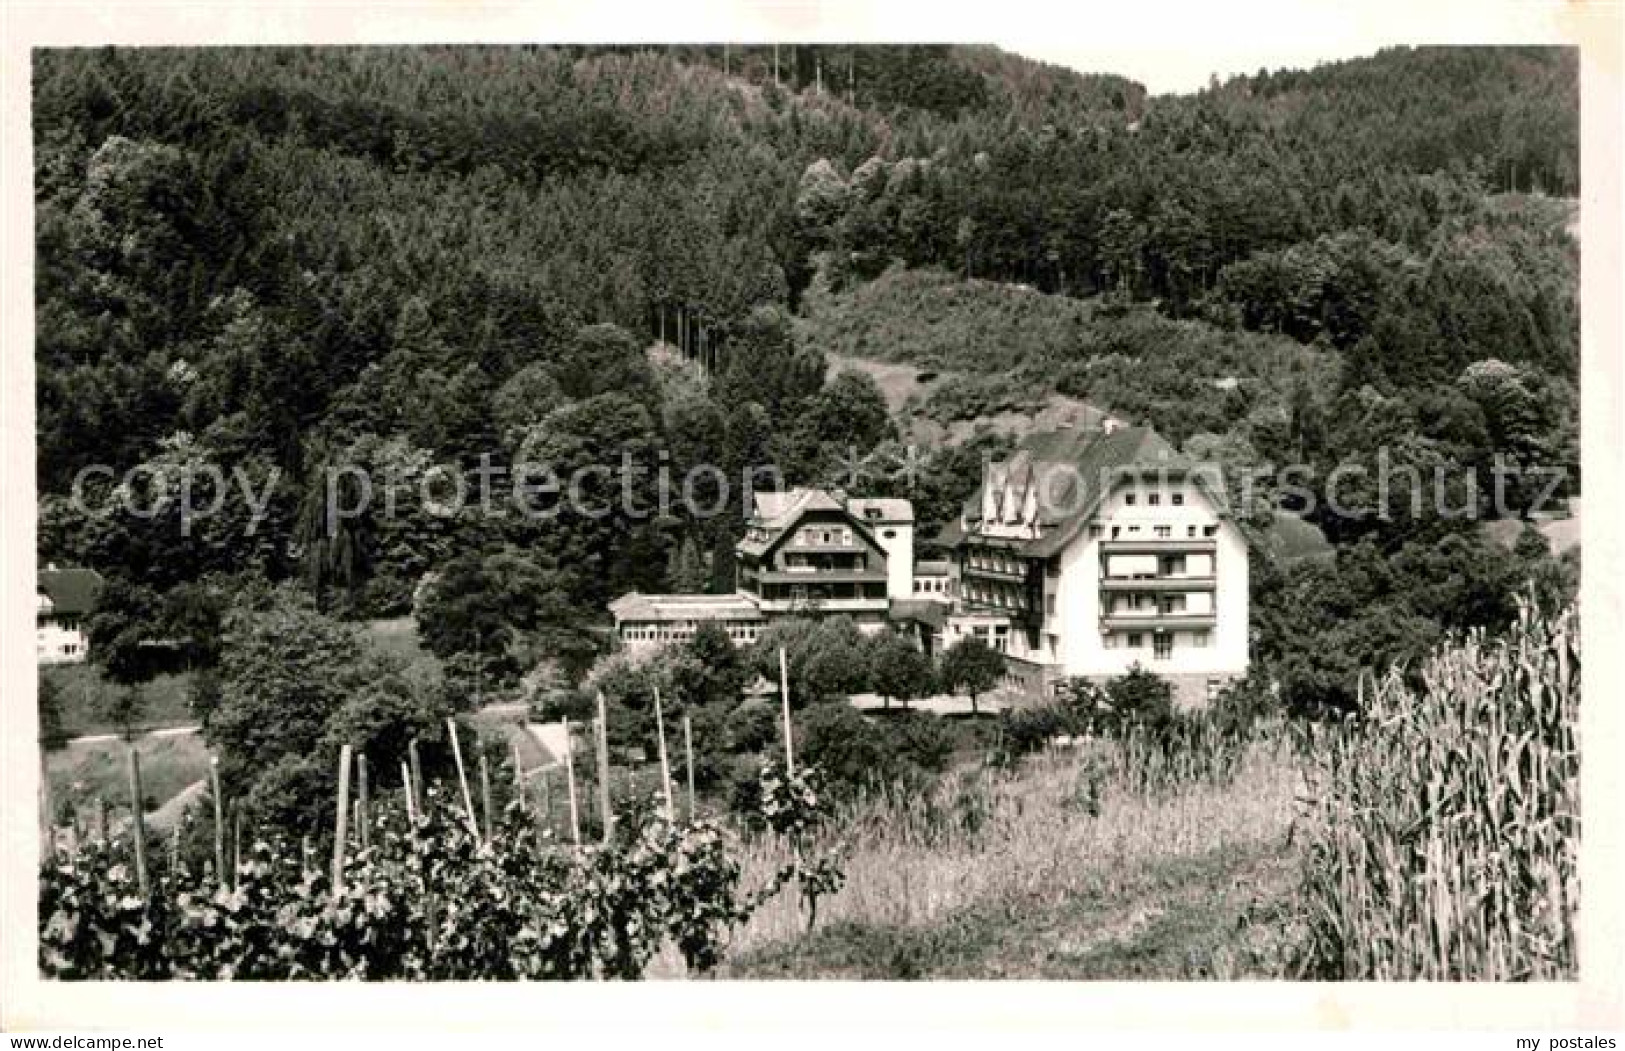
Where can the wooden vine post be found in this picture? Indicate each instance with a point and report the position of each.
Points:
(784, 694)
(570, 779)
(417, 774)
(341, 829)
(219, 820)
(363, 786)
(138, 821)
(485, 789)
(47, 820)
(406, 790)
(544, 805)
(462, 779)
(688, 753)
(606, 815)
(519, 779)
(665, 763)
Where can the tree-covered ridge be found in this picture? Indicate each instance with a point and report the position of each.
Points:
(307, 267)
(1510, 113)
(289, 262)
(191, 200)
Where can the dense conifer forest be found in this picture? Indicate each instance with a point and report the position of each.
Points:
(283, 262)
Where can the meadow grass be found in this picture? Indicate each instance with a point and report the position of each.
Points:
(84, 695)
(966, 878)
(398, 636)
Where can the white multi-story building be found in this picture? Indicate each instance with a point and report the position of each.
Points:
(1088, 552)
(62, 603)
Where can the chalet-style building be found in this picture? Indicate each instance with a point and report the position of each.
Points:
(812, 551)
(63, 601)
(806, 552)
(1087, 552)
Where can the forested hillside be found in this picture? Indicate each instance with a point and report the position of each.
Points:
(280, 261)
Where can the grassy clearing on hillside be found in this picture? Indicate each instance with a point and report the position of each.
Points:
(399, 636)
(80, 773)
(1291, 538)
(84, 694)
(1056, 871)
(936, 320)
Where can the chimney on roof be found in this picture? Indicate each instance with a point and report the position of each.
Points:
(1108, 424)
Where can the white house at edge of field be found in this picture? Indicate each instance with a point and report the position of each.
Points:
(63, 600)
(1083, 554)
(1090, 551)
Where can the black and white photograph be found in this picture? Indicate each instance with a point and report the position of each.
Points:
(800, 510)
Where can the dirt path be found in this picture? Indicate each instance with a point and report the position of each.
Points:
(166, 731)
(1227, 916)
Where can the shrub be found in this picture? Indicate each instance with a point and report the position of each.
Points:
(755, 726)
(1140, 699)
(921, 740)
(851, 750)
(1027, 730)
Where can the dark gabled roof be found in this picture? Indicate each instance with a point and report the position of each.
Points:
(72, 591)
(1072, 471)
(777, 513)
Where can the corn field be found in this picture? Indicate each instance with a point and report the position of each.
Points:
(1445, 825)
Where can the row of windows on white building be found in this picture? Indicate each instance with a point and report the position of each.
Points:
(1158, 532)
(1162, 642)
(684, 631)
